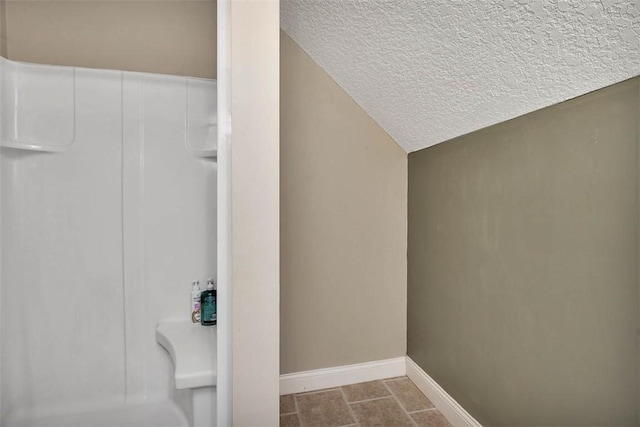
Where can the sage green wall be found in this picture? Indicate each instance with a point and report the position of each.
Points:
(523, 297)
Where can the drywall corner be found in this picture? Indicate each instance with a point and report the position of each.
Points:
(343, 210)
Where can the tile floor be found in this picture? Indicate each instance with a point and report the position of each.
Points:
(385, 403)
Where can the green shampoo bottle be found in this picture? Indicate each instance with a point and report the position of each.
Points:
(208, 309)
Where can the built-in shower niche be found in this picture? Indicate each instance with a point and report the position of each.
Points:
(37, 106)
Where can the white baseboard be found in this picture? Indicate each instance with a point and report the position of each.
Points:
(319, 379)
(451, 409)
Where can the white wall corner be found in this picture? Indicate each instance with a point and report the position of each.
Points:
(446, 404)
(255, 207)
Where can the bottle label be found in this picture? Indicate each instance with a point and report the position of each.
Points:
(195, 308)
(209, 309)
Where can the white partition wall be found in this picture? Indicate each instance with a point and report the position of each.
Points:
(225, 301)
(107, 213)
(255, 199)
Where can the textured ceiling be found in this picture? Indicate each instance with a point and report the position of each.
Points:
(428, 71)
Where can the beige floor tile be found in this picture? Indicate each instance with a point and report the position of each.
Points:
(409, 395)
(324, 409)
(383, 412)
(365, 391)
(290, 420)
(431, 418)
(287, 404)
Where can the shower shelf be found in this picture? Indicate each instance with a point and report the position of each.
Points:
(209, 148)
(37, 106)
(201, 117)
(35, 147)
(205, 153)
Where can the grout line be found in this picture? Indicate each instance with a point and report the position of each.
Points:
(369, 400)
(390, 380)
(353, 414)
(305, 393)
(399, 402)
(295, 405)
(401, 405)
(289, 413)
(403, 377)
(422, 410)
(413, 421)
(420, 391)
(391, 392)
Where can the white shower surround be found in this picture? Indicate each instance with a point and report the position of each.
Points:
(107, 212)
(428, 71)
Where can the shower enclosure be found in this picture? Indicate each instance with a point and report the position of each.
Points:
(108, 205)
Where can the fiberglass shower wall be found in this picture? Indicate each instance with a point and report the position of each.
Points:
(107, 213)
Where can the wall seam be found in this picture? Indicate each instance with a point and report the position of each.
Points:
(122, 252)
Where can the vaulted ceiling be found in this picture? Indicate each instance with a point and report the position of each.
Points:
(430, 70)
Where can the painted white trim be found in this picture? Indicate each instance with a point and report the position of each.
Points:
(319, 379)
(224, 392)
(446, 404)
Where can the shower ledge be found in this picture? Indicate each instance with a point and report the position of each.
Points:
(193, 350)
(35, 147)
(37, 106)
